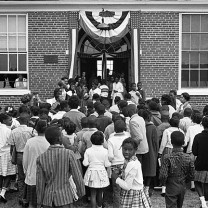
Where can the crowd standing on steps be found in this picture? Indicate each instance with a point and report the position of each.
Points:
(97, 133)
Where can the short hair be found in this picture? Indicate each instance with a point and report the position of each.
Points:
(24, 118)
(45, 105)
(174, 121)
(166, 99)
(187, 112)
(3, 116)
(41, 126)
(197, 118)
(127, 96)
(92, 121)
(43, 111)
(70, 127)
(106, 103)
(119, 126)
(117, 99)
(74, 102)
(35, 110)
(156, 100)
(115, 117)
(96, 96)
(132, 84)
(178, 115)
(173, 91)
(153, 106)
(90, 104)
(130, 141)
(53, 134)
(84, 122)
(100, 109)
(24, 109)
(125, 111)
(145, 114)
(97, 138)
(63, 104)
(186, 96)
(60, 83)
(122, 104)
(103, 82)
(205, 110)
(205, 122)
(132, 109)
(96, 104)
(55, 92)
(177, 138)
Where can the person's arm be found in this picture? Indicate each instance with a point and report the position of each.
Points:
(25, 158)
(110, 151)
(187, 137)
(163, 142)
(128, 182)
(107, 163)
(164, 171)
(40, 183)
(195, 146)
(86, 159)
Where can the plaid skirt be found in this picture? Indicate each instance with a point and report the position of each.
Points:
(201, 176)
(31, 195)
(134, 199)
(6, 167)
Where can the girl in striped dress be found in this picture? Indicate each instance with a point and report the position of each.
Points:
(131, 179)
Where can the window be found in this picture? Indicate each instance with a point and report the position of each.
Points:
(109, 66)
(194, 60)
(13, 52)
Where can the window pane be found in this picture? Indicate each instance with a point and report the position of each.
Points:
(186, 42)
(185, 78)
(22, 62)
(186, 23)
(195, 41)
(204, 60)
(12, 23)
(195, 23)
(3, 43)
(12, 62)
(21, 23)
(204, 23)
(3, 62)
(194, 60)
(22, 43)
(3, 24)
(204, 42)
(185, 60)
(204, 78)
(194, 78)
(12, 43)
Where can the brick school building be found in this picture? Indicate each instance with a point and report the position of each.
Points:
(163, 44)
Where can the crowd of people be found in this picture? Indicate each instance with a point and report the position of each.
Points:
(96, 133)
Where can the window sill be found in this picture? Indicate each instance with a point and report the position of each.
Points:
(14, 92)
(195, 91)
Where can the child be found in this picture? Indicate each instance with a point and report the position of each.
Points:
(177, 169)
(54, 168)
(96, 177)
(131, 180)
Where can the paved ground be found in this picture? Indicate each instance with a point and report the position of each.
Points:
(191, 201)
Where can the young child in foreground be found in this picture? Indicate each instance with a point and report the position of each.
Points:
(177, 168)
(131, 179)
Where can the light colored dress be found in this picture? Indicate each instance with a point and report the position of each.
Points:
(119, 88)
(96, 158)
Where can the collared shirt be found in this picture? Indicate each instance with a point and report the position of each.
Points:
(177, 165)
(4, 136)
(19, 137)
(34, 147)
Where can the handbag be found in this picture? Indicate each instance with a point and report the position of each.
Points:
(73, 188)
(14, 156)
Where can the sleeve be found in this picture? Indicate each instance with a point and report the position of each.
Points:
(86, 159)
(106, 134)
(110, 151)
(77, 175)
(105, 144)
(163, 142)
(128, 182)
(164, 171)
(135, 132)
(195, 146)
(25, 157)
(187, 137)
(40, 183)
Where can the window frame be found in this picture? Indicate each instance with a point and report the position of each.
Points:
(13, 91)
(191, 91)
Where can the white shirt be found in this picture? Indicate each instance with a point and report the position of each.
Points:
(135, 97)
(95, 91)
(166, 139)
(114, 108)
(4, 136)
(58, 115)
(191, 133)
(171, 111)
(133, 177)
(33, 148)
(96, 157)
(185, 123)
(118, 87)
(115, 141)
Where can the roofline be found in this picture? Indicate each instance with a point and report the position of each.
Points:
(64, 5)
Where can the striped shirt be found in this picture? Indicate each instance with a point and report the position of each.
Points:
(54, 168)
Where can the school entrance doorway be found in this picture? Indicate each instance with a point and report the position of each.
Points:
(103, 60)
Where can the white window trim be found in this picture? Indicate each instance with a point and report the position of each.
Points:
(191, 91)
(14, 91)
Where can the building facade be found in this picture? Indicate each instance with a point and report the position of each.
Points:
(36, 42)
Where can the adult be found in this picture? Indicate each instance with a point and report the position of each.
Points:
(166, 102)
(94, 89)
(185, 97)
(141, 90)
(175, 102)
(117, 89)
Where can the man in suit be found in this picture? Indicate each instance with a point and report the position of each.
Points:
(54, 168)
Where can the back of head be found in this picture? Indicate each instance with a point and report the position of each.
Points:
(174, 121)
(178, 115)
(63, 105)
(186, 96)
(97, 138)
(45, 105)
(84, 122)
(205, 122)
(117, 99)
(69, 127)
(132, 109)
(187, 112)
(145, 114)
(53, 134)
(41, 126)
(205, 110)
(100, 109)
(153, 106)
(106, 104)
(90, 104)
(122, 104)
(166, 99)
(43, 111)
(74, 102)
(35, 110)
(177, 138)
(3, 117)
(92, 121)
(164, 115)
(156, 100)
(115, 117)
(125, 111)
(197, 118)
(24, 118)
(96, 104)
(127, 96)
(24, 109)
(173, 91)
(120, 126)
(96, 97)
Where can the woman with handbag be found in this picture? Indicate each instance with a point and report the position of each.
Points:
(7, 169)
